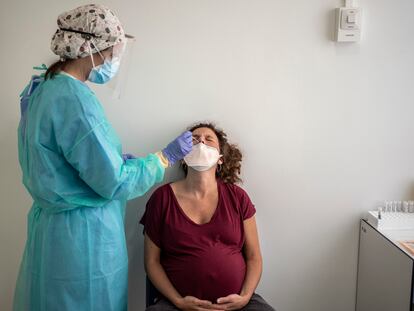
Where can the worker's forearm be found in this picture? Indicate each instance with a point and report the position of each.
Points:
(253, 274)
(159, 278)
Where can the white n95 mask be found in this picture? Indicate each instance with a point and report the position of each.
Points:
(202, 157)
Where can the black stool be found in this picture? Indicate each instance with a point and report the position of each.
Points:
(152, 294)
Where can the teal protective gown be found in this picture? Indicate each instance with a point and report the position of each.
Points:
(75, 256)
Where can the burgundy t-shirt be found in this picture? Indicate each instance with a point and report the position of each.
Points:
(204, 261)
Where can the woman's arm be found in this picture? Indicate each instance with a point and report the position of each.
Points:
(253, 258)
(253, 268)
(159, 278)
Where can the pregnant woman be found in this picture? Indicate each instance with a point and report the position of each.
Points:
(201, 244)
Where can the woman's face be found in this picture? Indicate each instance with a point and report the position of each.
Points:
(206, 136)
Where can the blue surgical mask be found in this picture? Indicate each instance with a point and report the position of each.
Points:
(104, 72)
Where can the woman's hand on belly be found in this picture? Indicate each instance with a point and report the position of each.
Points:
(232, 302)
(190, 303)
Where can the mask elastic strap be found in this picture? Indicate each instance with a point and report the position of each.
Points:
(90, 52)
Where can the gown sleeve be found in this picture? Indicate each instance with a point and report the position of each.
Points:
(90, 145)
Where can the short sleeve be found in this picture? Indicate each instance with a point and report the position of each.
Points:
(247, 207)
(153, 218)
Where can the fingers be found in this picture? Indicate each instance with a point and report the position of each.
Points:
(227, 306)
(212, 308)
(226, 299)
(203, 303)
(127, 156)
(198, 302)
(188, 142)
(229, 302)
(187, 134)
(217, 307)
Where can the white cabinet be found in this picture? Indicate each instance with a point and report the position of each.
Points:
(385, 270)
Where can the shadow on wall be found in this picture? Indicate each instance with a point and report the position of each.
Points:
(330, 25)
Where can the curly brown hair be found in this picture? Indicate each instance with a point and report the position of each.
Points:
(229, 171)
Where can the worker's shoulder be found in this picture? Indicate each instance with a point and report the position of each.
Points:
(69, 93)
(62, 85)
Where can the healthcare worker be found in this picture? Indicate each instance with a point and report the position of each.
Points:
(75, 256)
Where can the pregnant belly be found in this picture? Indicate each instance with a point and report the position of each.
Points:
(210, 275)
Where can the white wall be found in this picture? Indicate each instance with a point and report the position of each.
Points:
(326, 128)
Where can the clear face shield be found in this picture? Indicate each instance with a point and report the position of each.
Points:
(121, 52)
(115, 67)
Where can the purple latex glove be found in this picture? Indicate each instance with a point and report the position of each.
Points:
(179, 147)
(128, 156)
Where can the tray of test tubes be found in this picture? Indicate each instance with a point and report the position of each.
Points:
(393, 215)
